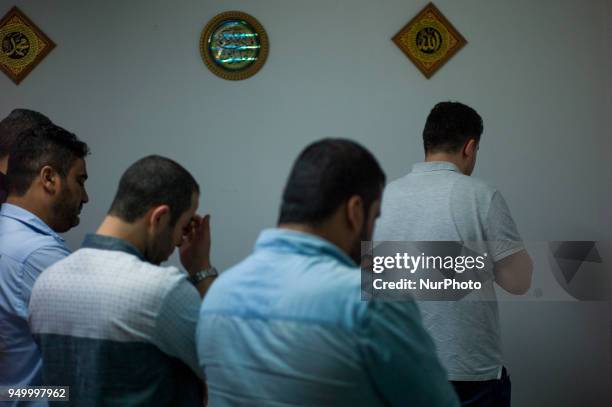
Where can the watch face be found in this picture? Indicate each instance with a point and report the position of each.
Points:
(211, 272)
(201, 275)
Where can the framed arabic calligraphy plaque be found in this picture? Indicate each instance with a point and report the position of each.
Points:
(22, 45)
(429, 40)
(234, 45)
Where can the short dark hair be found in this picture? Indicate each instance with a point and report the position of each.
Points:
(153, 181)
(325, 175)
(39, 146)
(449, 125)
(17, 122)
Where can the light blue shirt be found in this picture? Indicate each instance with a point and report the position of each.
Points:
(27, 247)
(287, 327)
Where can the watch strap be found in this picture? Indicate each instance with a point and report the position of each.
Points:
(202, 274)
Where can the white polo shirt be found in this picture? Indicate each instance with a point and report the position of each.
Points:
(436, 202)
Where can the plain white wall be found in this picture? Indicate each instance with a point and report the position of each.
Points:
(128, 79)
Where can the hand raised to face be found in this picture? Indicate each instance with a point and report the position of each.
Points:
(195, 247)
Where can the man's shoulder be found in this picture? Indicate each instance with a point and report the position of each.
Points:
(470, 193)
(119, 269)
(417, 189)
(327, 292)
(40, 250)
(338, 282)
(415, 180)
(332, 296)
(92, 288)
(20, 242)
(317, 270)
(474, 185)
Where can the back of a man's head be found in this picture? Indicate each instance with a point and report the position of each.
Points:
(449, 125)
(39, 146)
(18, 121)
(153, 181)
(324, 176)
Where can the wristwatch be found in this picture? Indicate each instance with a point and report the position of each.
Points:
(202, 274)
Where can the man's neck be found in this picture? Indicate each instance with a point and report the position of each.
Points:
(130, 232)
(451, 158)
(33, 205)
(324, 232)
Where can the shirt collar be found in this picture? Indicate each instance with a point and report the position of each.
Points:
(299, 242)
(93, 241)
(430, 166)
(29, 219)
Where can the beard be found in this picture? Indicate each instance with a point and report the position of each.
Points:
(355, 252)
(160, 248)
(66, 211)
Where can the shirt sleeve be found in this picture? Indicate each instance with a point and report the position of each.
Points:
(501, 233)
(401, 357)
(37, 262)
(176, 324)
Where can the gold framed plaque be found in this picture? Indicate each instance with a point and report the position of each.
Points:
(234, 45)
(429, 40)
(22, 45)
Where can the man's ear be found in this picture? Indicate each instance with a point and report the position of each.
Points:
(470, 147)
(354, 212)
(50, 179)
(158, 217)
